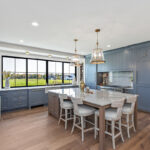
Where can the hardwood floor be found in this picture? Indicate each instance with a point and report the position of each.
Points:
(35, 130)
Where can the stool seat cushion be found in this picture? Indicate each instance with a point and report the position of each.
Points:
(67, 105)
(84, 110)
(127, 108)
(110, 113)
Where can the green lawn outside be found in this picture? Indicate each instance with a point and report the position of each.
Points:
(33, 82)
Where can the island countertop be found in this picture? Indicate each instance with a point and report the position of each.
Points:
(99, 97)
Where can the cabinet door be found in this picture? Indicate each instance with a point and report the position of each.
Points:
(4, 101)
(142, 78)
(37, 97)
(17, 99)
(143, 98)
(90, 73)
(121, 59)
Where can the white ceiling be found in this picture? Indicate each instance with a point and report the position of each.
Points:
(123, 22)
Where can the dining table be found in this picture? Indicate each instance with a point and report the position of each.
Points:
(100, 99)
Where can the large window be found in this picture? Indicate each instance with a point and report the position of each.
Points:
(34, 72)
(15, 69)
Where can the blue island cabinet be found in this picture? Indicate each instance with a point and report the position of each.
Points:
(37, 97)
(14, 99)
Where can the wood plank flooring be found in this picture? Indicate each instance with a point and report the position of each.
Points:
(35, 130)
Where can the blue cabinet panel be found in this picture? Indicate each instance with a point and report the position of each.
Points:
(4, 101)
(90, 73)
(13, 99)
(37, 97)
(144, 98)
(17, 99)
(143, 67)
(118, 60)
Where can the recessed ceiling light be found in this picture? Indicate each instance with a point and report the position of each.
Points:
(108, 45)
(35, 24)
(27, 53)
(21, 41)
(68, 58)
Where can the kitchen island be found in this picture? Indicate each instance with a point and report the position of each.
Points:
(100, 99)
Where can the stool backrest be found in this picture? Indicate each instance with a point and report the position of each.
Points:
(132, 100)
(62, 97)
(118, 104)
(76, 102)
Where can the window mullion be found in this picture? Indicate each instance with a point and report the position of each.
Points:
(15, 70)
(26, 72)
(62, 73)
(37, 72)
(46, 72)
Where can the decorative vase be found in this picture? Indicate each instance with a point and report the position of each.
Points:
(74, 82)
(82, 86)
(7, 85)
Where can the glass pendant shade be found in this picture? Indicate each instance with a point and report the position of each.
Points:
(97, 56)
(76, 58)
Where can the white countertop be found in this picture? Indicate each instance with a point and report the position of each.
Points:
(109, 86)
(99, 97)
(39, 87)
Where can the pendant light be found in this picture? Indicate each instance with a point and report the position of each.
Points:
(76, 57)
(97, 54)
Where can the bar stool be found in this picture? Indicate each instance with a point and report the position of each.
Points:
(81, 111)
(66, 105)
(112, 115)
(128, 110)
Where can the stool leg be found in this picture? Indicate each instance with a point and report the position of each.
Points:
(95, 129)
(121, 130)
(127, 120)
(107, 125)
(84, 122)
(133, 123)
(82, 128)
(66, 117)
(60, 116)
(74, 121)
(113, 133)
(70, 111)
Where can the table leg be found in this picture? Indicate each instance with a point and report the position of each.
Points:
(135, 115)
(102, 128)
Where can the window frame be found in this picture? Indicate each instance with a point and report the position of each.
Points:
(47, 71)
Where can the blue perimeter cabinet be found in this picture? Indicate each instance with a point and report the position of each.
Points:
(134, 58)
(23, 98)
(90, 73)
